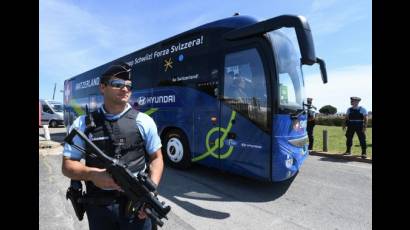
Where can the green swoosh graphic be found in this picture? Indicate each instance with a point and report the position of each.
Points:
(76, 107)
(219, 142)
(151, 111)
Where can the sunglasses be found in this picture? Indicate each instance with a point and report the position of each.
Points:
(118, 83)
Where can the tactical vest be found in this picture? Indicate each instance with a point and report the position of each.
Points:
(355, 117)
(119, 139)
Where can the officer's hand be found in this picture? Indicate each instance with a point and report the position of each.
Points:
(103, 180)
(141, 213)
(343, 128)
(364, 129)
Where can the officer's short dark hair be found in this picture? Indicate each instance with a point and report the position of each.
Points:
(119, 70)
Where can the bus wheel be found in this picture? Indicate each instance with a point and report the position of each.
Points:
(53, 123)
(176, 149)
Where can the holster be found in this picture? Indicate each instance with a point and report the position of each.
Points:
(75, 194)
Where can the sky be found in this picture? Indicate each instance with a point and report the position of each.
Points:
(79, 35)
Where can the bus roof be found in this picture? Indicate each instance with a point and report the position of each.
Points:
(227, 24)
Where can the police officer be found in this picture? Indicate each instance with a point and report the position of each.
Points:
(356, 121)
(311, 122)
(123, 133)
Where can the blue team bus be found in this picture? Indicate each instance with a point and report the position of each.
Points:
(228, 94)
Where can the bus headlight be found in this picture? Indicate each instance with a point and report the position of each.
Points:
(289, 162)
(296, 125)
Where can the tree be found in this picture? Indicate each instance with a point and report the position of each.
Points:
(328, 109)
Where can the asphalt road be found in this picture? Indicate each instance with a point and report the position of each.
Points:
(328, 193)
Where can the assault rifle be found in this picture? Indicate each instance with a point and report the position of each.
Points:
(140, 189)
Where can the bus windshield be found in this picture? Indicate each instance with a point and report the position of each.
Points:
(291, 89)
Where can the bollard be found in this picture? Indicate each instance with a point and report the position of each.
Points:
(46, 132)
(325, 140)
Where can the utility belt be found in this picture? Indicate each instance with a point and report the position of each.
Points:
(356, 123)
(80, 200)
(102, 199)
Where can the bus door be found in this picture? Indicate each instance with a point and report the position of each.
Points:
(245, 114)
(206, 114)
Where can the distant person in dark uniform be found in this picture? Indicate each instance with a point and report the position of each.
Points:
(356, 121)
(310, 122)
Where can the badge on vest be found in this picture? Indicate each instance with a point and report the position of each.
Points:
(91, 138)
(122, 140)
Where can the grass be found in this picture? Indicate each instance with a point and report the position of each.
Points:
(336, 140)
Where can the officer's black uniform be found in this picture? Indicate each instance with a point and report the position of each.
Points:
(310, 125)
(355, 124)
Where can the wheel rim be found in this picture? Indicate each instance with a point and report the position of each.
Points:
(53, 124)
(175, 150)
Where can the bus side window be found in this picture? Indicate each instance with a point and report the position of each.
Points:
(245, 85)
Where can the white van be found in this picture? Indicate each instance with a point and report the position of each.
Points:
(51, 113)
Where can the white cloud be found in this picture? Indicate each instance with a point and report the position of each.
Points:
(318, 5)
(73, 40)
(342, 84)
(62, 24)
(325, 17)
(68, 38)
(197, 21)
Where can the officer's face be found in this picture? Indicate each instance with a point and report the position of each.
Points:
(354, 102)
(117, 91)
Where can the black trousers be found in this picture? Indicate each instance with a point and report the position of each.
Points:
(351, 130)
(108, 218)
(309, 130)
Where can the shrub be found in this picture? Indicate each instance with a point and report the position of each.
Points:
(335, 121)
(330, 120)
(328, 109)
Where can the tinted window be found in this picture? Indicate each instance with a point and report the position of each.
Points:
(291, 85)
(245, 85)
(47, 109)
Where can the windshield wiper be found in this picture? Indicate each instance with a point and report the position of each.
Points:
(297, 114)
(304, 110)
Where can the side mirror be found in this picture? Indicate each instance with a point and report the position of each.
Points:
(323, 72)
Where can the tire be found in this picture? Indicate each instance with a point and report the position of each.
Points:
(53, 124)
(175, 149)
